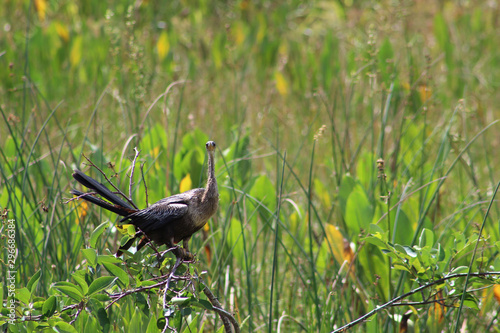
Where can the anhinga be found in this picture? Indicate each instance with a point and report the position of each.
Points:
(168, 221)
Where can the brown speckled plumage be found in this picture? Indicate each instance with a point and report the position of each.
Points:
(167, 221)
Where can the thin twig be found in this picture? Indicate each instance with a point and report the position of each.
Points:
(109, 181)
(145, 186)
(131, 181)
(80, 196)
(393, 302)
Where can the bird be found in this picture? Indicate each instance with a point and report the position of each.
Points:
(166, 222)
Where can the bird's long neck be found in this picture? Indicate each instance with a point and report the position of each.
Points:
(211, 190)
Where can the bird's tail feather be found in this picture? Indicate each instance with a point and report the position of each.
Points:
(119, 206)
(123, 211)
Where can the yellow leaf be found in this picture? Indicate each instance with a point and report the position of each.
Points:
(163, 45)
(81, 210)
(340, 246)
(75, 54)
(41, 9)
(238, 33)
(425, 92)
(62, 31)
(496, 292)
(154, 152)
(186, 183)
(437, 308)
(281, 83)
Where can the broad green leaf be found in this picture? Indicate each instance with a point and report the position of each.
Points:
(152, 328)
(68, 289)
(375, 241)
(235, 240)
(410, 251)
(359, 211)
(202, 303)
(79, 277)
(346, 186)
(33, 282)
(100, 283)
(102, 316)
(91, 256)
(264, 196)
(108, 259)
(49, 306)
(96, 233)
(118, 272)
(63, 327)
(236, 157)
(459, 270)
(24, 295)
(426, 238)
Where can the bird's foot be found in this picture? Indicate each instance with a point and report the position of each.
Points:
(184, 254)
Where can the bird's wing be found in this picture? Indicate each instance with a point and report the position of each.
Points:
(157, 215)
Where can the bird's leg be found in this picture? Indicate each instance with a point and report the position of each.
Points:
(187, 255)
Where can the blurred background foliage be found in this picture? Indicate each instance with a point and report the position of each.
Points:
(336, 85)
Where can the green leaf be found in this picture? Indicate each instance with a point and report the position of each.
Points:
(410, 251)
(376, 241)
(346, 186)
(202, 303)
(79, 277)
(118, 272)
(24, 295)
(426, 238)
(33, 282)
(49, 306)
(68, 289)
(104, 322)
(152, 326)
(96, 233)
(179, 300)
(91, 256)
(459, 270)
(101, 259)
(63, 327)
(100, 283)
(359, 211)
(263, 192)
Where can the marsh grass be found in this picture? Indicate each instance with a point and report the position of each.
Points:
(302, 99)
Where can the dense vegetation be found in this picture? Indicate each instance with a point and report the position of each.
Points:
(358, 162)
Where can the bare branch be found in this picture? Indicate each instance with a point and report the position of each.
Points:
(131, 181)
(109, 181)
(227, 319)
(145, 186)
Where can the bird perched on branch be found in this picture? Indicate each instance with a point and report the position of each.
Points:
(168, 221)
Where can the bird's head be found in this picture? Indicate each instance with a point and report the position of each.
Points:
(210, 146)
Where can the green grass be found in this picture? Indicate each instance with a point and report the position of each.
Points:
(302, 99)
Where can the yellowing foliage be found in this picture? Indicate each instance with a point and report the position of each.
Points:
(62, 31)
(238, 33)
(75, 55)
(281, 83)
(163, 45)
(340, 246)
(424, 92)
(41, 9)
(186, 183)
(496, 292)
(82, 210)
